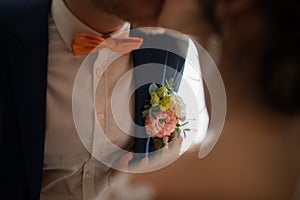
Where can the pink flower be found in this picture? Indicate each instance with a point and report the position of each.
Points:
(163, 125)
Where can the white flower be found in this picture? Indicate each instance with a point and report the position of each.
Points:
(178, 106)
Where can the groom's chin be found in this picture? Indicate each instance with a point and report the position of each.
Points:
(138, 12)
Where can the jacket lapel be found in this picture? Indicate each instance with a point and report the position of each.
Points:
(172, 67)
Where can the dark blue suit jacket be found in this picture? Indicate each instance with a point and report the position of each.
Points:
(154, 50)
(23, 78)
(23, 73)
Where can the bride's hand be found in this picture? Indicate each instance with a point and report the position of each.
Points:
(162, 157)
(170, 152)
(120, 165)
(167, 153)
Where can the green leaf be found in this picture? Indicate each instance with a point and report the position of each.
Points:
(152, 88)
(170, 84)
(162, 121)
(145, 113)
(155, 108)
(158, 142)
(184, 134)
(147, 106)
(178, 131)
(180, 125)
(185, 130)
(162, 144)
(184, 124)
(152, 114)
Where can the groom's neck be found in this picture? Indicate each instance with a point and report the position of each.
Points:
(94, 17)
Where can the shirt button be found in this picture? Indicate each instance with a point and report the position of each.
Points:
(100, 116)
(98, 72)
(88, 174)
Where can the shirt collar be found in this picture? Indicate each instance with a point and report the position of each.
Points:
(68, 25)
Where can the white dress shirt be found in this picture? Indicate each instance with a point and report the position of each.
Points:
(70, 171)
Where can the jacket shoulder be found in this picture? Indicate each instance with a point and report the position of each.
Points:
(13, 12)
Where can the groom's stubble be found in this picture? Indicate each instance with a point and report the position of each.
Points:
(138, 12)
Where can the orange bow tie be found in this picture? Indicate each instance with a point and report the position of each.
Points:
(85, 43)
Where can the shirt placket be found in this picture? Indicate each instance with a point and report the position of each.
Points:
(100, 117)
(88, 185)
(100, 114)
(88, 177)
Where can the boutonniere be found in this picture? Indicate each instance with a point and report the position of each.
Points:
(164, 115)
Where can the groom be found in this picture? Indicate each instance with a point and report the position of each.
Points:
(39, 146)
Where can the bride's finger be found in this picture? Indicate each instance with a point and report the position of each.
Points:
(122, 163)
